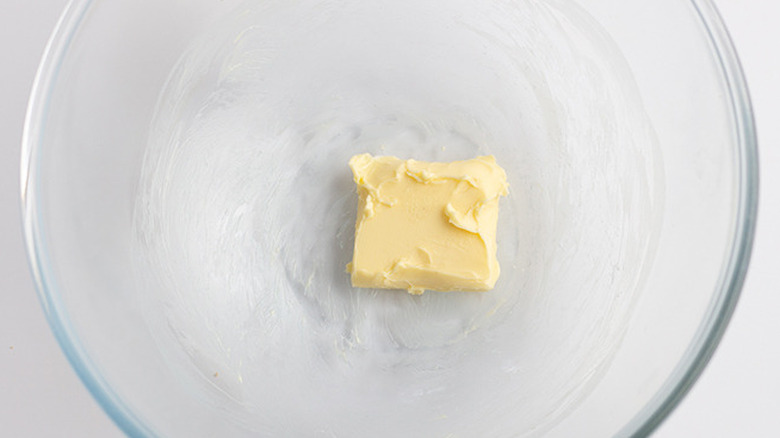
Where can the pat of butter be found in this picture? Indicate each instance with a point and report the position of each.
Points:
(426, 225)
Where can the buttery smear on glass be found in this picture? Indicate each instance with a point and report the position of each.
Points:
(245, 216)
(426, 225)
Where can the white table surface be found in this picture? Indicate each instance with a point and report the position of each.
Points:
(737, 396)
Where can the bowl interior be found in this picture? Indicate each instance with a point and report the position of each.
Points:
(191, 213)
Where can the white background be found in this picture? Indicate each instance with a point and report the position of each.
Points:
(737, 396)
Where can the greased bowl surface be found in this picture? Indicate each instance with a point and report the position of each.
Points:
(189, 211)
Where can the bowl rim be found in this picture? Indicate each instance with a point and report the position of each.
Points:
(667, 397)
(732, 276)
(37, 108)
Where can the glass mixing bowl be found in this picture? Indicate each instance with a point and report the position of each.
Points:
(189, 211)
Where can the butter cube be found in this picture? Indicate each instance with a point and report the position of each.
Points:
(426, 226)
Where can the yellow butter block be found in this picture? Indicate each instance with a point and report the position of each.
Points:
(426, 226)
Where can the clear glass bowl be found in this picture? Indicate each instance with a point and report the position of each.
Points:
(188, 211)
